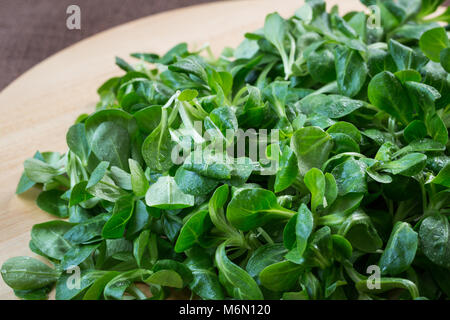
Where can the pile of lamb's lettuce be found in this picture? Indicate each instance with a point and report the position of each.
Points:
(357, 208)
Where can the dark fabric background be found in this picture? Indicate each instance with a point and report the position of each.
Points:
(32, 30)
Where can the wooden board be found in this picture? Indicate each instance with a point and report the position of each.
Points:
(39, 107)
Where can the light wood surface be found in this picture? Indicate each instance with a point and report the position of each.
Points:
(38, 108)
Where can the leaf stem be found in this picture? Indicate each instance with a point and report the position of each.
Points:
(265, 235)
(282, 212)
(136, 292)
(424, 196)
(62, 179)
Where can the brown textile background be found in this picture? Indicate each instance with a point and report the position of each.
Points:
(32, 30)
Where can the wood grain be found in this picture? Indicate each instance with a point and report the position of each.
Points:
(38, 108)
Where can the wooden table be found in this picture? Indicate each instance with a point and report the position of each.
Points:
(38, 108)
